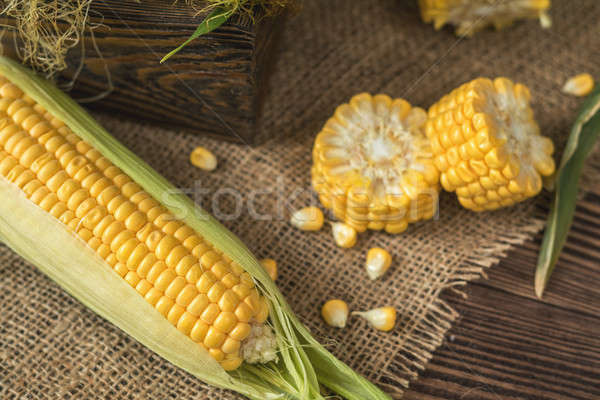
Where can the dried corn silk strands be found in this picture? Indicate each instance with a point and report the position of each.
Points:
(47, 29)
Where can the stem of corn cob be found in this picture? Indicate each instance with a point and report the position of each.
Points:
(82, 207)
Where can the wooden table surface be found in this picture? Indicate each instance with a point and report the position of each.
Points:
(507, 344)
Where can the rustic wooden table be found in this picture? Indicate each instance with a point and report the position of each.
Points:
(510, 345)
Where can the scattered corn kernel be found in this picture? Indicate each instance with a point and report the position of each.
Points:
(378, 262)
(579, 85)
(383, 318)
(335, 313)
(343, 234)
(203, 159)
(308, 219)
(270, 266)
(487, 144)
(373, 164)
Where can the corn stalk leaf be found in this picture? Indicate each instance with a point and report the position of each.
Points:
(215, 19)
(581, 141)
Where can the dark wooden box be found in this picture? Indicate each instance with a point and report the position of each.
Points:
(214, 86)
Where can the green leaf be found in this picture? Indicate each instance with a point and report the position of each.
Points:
(215, 19)
(581, 141)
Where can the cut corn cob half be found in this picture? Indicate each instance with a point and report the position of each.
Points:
(373, 166)
(487, 144)
(470, 16)
(86, 211)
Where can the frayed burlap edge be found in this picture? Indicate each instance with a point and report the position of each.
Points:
(432, 329)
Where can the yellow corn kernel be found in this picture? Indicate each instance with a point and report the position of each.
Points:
(214, 339)
(231, 346)
(231, 364)
(243, 312)
(263, 311)
(270, 266)
(175, 313)
(579, 85)
(202, 158)
(343, 234)
(186, 322)
(210, 313)
(229, 301)
(199, 331)
(308, 219)
(216, 291)
(507, 156)
(372, 161)
(382, 319)
(240, 331)
(198, 304)
(335, 313)
(225, 322)
(378, 262)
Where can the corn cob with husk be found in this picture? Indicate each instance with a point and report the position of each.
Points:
(118, 237)
(470, 16)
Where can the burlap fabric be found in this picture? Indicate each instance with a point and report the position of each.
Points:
(52, 347)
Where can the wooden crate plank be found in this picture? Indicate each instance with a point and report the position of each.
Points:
(212, 87)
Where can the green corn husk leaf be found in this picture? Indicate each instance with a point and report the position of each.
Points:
(38, 237)
(215, 19)
(581, 141)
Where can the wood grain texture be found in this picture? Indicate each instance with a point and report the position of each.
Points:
(510, 345)
(212, 86)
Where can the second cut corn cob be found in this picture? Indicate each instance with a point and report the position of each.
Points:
(487, 144)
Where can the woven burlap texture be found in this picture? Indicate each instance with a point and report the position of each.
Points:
(52, 347)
